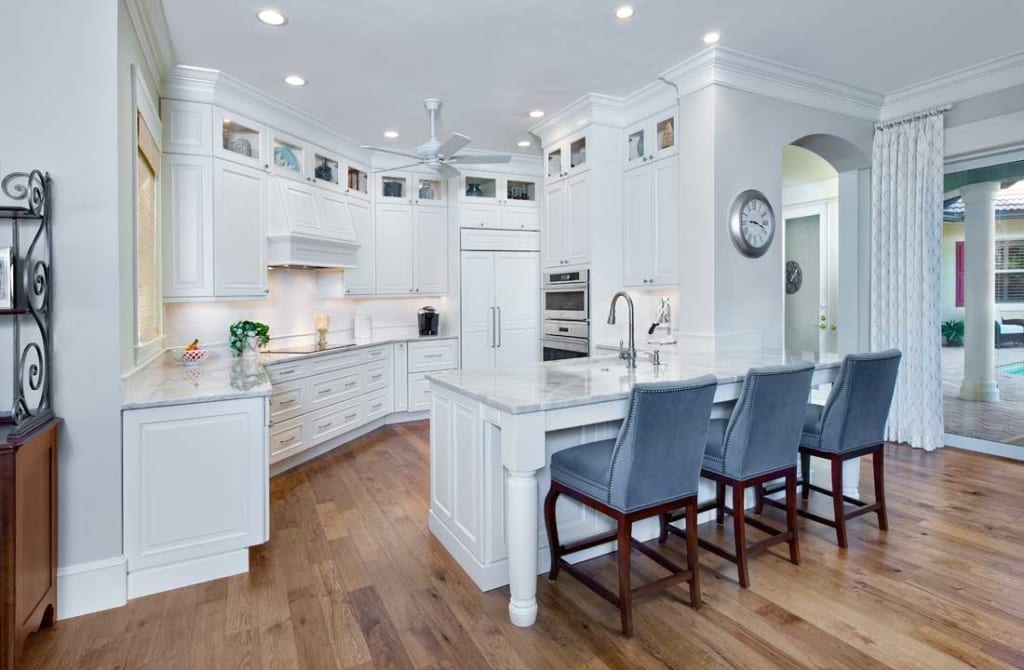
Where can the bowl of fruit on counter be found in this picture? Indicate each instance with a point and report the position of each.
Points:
(190, 355)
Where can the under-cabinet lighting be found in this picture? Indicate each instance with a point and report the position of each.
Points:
(625, 12)
(294, 80)
(536, 114)
(711, 37)
(271, 17)
(524, 143)
(391, 134)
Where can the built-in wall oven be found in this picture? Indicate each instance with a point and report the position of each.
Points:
(566, 327)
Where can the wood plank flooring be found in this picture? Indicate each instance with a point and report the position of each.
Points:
(352, 578)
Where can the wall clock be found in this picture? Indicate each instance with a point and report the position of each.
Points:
(752, 223)
(794, 277)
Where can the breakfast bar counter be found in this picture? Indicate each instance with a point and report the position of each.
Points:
(492, 434)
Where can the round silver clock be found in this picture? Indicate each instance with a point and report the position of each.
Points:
(752, 223)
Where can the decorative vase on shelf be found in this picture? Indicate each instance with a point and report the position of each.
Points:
(324, 172)
(474, 190)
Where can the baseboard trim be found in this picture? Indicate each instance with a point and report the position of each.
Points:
(984, 446)
(186, 573)
(85, 588)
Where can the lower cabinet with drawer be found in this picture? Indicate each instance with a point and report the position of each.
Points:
(426, 356)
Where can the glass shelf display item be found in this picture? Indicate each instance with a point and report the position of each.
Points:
(393, 188)
(240, 139)
(517, 190)
(666, 134)
(288, 157)
(358, 181)
(429, 190)
(326, 169)
(481, 187)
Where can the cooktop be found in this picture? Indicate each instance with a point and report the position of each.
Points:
(311, 348)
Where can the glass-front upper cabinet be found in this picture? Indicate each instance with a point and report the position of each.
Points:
(481, 188)
(357, 182)
(393, 187)
(566, 158)
(325, 167)
(288, 156)
(430, 191)
(650, 139)
(554, 163)
(520, 191)
(239, 139)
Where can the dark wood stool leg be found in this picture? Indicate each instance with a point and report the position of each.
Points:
(805, 473)
(878, 461)
(719, 503)
(625, 591)
(740, 528)
(663, 524)
(837, 499)
(758, 498)
(552, 524)
(691, 555)
(794, 541)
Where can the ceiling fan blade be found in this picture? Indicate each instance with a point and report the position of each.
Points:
(446, 170)
(398, 167)
(405, 154)
(451, 145)
(480, 158)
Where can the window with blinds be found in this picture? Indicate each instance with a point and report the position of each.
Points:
(148, 303)
(1010, 271)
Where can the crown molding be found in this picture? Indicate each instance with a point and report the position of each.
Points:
(590, 109)
(150, 25)
(969, 82)
(734, 69)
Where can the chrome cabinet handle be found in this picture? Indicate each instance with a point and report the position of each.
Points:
(349, 417)
(287, 402)
(433, 355)
(351, 385)
(377, 406)
(493, 328)
(325, 426)
(282, 373)
(498, 327)
(288, 441)
(325, 391)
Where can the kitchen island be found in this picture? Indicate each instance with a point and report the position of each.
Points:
(492, 434)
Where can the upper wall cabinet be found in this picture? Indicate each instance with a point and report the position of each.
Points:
(187, 183)
(187, 127)
(566, 158)
(289, 156)
(427, 190)
(239, 230)
(499, 201)
(651, 224)
(239, 139)
(652, 138)
(326, 168)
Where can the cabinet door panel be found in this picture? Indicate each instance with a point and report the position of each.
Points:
(334, 214)
(300, 207)
(554, 231)
(431, 254)
(666, 223)
(517, 295)
(478, 335)
(577, 228)
(240, 229)
(359, 280)
(186, 127)
(188, 226)
(638, 191)
(519, 217)
(393, 249)
(480, 216)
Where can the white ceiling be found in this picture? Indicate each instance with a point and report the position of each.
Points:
(370, 63)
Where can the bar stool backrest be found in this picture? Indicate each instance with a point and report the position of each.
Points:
(858, 406)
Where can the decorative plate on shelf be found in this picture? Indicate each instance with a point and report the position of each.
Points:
(285, 157)
(240, 145)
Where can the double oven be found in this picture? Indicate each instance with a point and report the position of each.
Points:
(566, 327)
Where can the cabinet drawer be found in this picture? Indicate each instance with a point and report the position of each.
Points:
(522, 218)
(481, 216)
(331, 362)
(431, 356)
(334, 387)
(283, 372)
(419, 392)
(288, 400)
(376, 405)
(376, 376)
(288, 438)
(334, 420)
(377, 354)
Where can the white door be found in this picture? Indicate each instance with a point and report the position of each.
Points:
(577, 238)
(239, 229)
(638, 197)
(335, 218)
(554, 224)
(478, 313)
(393, 249)
(359, 280)
(804, 320)
(665, 226)
(517, 297)
(431, 254)
(300, 206)
(188, 226)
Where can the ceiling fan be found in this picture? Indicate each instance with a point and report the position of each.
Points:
(441, 156)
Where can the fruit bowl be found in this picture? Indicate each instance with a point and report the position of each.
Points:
(189, 357)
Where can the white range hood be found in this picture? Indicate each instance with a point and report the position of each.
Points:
(310, 226)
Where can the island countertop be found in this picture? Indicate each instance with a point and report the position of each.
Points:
(583, 381)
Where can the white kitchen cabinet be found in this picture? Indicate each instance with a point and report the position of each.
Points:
(239, 139)
(430, 244)
(187, 183)
(401, 378)
(359, 280)
(567, 158)
(500, 308)
(499, 201)
(288, 156)
(411, 188)
(335, 214)
(651, 216)
(187, 127)
(299, 205)
(411, 250)
(650, 139)
(196, 492)
(240, 229)
(567, 233)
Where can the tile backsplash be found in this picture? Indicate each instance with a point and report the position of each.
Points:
(289, 310)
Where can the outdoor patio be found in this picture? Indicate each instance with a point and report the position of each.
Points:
(996, 421)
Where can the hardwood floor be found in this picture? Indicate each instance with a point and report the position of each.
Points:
(352, 578)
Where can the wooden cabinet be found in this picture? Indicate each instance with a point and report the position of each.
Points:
(196, 492)
(411, 249)
(28, 539)
(651, 223)
(187, 183)
(567, 232)
(239, 229)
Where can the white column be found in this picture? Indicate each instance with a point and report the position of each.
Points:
(979, 381)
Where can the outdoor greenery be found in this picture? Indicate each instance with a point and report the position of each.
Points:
(953, 333)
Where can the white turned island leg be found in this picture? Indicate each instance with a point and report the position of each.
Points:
(521, 530)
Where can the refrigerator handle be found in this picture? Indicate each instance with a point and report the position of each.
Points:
(497, 328)
(493, 328)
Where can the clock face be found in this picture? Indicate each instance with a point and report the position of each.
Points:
(752, 223)
(794, 277)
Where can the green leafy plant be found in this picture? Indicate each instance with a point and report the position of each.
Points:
(953, 332)
(241, 331)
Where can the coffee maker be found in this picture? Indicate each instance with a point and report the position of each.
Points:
(429, 321)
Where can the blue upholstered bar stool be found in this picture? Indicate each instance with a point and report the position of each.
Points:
(651, 467)
(851, 424)
(758, 443)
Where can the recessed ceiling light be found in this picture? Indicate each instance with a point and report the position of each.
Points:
(294, 80)
(536, 114)
(391, 134)
(625, 12)
(271, 17)
(524, 143)
(711, 37)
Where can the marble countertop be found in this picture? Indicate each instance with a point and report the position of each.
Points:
(584, 381)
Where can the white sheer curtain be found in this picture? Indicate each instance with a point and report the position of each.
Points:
(906, 267)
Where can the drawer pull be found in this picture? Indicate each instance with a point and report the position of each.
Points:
(289, 401)
(349, 417)
(433, 356)
(351, 385)
(376, 377)
(377, 406)
(378, 352)
(288, 441)
(282, 373)
(325, 426)
(324, 391)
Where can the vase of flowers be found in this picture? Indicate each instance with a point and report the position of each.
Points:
(246, 337)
